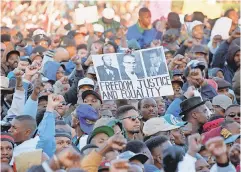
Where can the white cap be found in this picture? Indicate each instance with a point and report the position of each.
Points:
(98, 28)
(108, 13)
(86, 81)
(157, 124)
(39, 32)
(222, 100)
(194, 24)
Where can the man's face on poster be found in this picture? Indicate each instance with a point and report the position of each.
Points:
(129, 62)
(107, 61)
(155, 61)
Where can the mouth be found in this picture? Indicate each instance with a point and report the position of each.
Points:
(5, 158)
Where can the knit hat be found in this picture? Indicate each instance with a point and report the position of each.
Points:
(62, 133)
(7, 137)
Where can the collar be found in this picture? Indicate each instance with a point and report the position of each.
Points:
(141, 30)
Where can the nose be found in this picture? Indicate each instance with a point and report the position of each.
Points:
(10, 130)
(151, 109)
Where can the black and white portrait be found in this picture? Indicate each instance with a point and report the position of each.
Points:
(130, 67)
(106, 71)
(154, 62)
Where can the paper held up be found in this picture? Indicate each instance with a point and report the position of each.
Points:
(86, 15)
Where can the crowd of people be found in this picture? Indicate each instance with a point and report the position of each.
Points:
(53, 117)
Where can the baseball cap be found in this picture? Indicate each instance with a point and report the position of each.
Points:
(232, 138)
(39, 32)
(221, 83)
(177, 72)
(128, 155)
(102, 129)
(194, 24)
(86, 81)
(108, 13)
(222, 100)
(155, 125)
(98, 28)
(208, 126)
(87, 116)
(199, 49)
(91, 92)
(173, 120)
(105, 165)
(178, 82)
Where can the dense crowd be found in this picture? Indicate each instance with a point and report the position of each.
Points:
(53, 117)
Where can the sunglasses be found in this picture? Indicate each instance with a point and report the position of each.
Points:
(232, 115)
(64, 103)
(133, 118)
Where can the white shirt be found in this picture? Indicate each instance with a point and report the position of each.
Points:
(132, 76)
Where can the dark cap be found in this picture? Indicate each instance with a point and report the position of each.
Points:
(67, 42)
(179, 82)
(41, 37)
(222, 83)
(128, 155)
(12, 52)
(199, 49)
(91, 92)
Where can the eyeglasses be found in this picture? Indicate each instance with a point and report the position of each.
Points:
(133, 118)
(63, 103)
(232, 115)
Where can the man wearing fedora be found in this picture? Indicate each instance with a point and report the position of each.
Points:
(195, 112)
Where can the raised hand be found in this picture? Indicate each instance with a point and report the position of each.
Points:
(189, 43)
(69, 158)
(18, 73)
(53, 101)
(76, 59)
(31, 70)
(194, 144)
(117, 142)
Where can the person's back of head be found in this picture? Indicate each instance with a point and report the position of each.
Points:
(135, 146)
(40, 115)
(155, 142)
(171, 157)
(199, 16)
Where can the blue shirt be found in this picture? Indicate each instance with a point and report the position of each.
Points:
(143, 37)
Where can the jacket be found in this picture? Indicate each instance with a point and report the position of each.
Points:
(236, 85)
(91, 162)
(104, 76)
(224, 59)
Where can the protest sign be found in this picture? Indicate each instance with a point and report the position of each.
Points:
(86, 15)
(143, 73)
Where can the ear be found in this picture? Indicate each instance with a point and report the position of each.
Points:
(194, 115)
(28, 132)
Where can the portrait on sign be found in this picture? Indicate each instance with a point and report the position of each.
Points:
(133, 75)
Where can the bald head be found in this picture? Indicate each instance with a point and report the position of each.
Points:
(61, 54)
